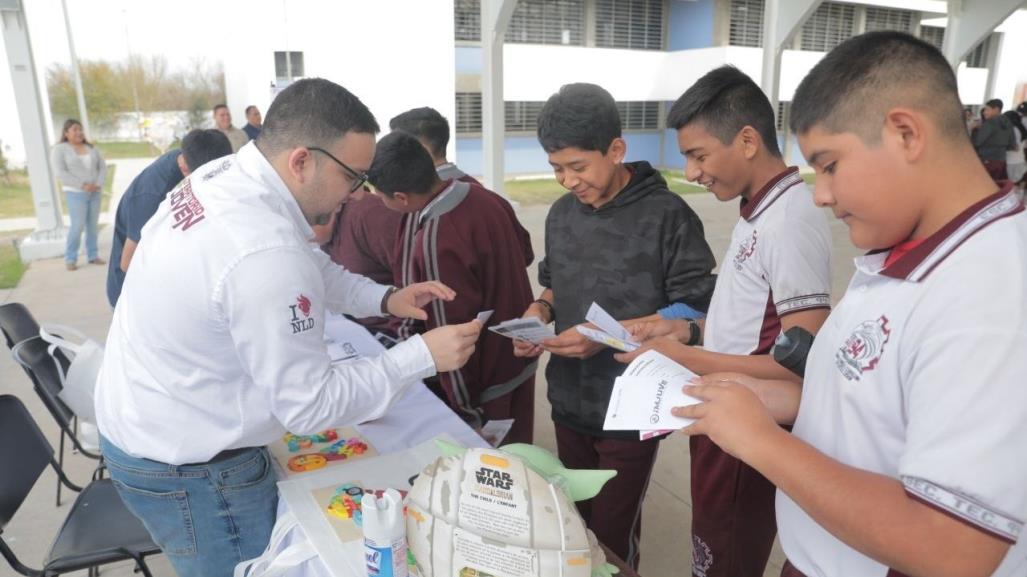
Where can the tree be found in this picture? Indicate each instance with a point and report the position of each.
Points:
(108, 88)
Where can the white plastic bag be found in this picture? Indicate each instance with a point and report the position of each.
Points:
(79, 383)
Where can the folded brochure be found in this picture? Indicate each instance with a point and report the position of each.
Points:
(644, 395)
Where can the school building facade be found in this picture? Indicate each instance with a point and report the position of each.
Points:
(397, 55)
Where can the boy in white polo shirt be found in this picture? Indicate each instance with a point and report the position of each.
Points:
(908, 452)
(776, 275)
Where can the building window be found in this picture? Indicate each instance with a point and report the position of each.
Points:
(890, 19)
(283, 72)
(746, 26)
(522, 116)
(468, 112)
(467, 20)
(639, 115)
(830, 25)
(933, 35)
(629, 24)
(980, 56)
(547, 22)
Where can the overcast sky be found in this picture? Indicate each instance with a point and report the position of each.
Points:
(104, 29)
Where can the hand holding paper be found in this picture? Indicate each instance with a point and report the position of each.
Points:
(643, 397)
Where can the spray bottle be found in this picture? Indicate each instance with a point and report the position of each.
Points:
(385, 537)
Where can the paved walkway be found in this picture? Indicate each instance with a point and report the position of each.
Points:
(78, 299)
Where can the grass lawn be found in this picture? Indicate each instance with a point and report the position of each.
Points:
(112, 150)
(16, 197)
(547, 190)
(11, 267)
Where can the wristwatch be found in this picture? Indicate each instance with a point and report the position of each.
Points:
(385, 299)
(694, 333)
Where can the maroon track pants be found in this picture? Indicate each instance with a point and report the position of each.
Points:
(615, 514)
(733, 524)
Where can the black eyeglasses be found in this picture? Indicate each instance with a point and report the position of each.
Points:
(358, 178)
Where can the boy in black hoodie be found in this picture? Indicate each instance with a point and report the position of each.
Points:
(622, 239)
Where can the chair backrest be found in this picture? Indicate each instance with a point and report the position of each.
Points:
(33, 356)
(24, 454)
(17, 323)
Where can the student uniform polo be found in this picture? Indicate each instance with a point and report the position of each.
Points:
(920, 374)
(217, 341)
(778, 262)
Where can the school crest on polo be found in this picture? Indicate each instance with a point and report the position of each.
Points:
(863, 349)
(304, 323)
(745, 250)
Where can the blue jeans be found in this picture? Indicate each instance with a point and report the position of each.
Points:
(206, 517)
(84, 211)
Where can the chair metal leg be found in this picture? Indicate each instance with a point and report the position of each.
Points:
(141, 566)
(74, 428)
(60, 461)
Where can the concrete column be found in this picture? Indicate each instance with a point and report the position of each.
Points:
(969, 21)
(495, 17)
(781, 18)
(48, 238)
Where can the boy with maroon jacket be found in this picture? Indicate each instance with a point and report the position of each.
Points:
(470, 237)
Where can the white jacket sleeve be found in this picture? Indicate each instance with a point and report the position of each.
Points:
(274, 305)
(349, 293)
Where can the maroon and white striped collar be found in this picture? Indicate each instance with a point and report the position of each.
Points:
(771, 191)
(916, 264)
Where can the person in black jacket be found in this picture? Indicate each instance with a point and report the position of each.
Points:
(619, 238)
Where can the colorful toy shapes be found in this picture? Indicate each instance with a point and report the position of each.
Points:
(297, 443)
(339, 451)
(345, 502)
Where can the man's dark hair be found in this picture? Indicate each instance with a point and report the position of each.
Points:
(202, 146)
(313, 112)
(579, 116)
(1017, 122)
(218, 107)
(401, 164)
(994, 103)
(725, 101)
(856, 84)
(427, 124)
(249, 108)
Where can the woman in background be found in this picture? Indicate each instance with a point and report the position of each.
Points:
(82, 172)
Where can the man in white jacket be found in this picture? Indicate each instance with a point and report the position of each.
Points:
(217, 346)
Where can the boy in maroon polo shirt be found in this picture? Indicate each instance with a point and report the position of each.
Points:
(468, 236)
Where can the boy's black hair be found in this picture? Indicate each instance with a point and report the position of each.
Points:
(1017, 122)
(856, 84)
(427, 124)
(725, 101)
(202, 146)
(401, 164)
(313, 112)
(579, 116)
(995, 103)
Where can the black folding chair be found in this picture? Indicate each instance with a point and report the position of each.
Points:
(21, 332)
(97, 531)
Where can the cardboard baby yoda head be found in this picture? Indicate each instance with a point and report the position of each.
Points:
(497, 512)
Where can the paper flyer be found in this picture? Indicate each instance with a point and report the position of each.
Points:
(606, 339)
(644, 395)
(528, 329)
(608, 331)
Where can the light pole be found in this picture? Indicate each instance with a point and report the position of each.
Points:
(80, 96)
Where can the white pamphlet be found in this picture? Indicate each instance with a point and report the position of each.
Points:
(483, 316)
(607, 339)
(528, 329)
(496, 430)
(609, 325)
(643, 397)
